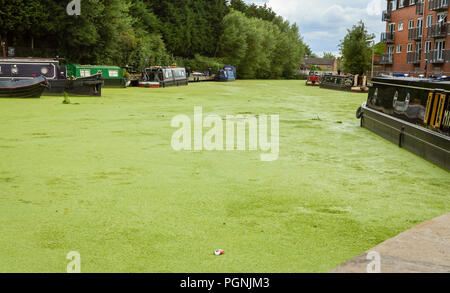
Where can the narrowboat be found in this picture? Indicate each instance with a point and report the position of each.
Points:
(314, 79)
(112, 75)
(228, 73)
(30, 68)
(54, 73)
(353, 83)
(413, 113)
(25, 88)
(201, 76)
(163, 76)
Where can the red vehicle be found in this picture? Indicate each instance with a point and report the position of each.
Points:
(314, 79)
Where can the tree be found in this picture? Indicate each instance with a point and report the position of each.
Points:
(356, 49)
(328, 55)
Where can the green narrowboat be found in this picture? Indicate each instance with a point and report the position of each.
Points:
(112, 75)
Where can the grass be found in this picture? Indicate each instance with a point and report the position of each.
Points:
(99, 176)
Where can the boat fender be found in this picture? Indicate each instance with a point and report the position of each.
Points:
(359, 113)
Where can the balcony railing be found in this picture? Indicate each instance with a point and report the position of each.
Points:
(438, 5)
(415, 34)
(386, 58)
(438, 56)
(387, 15)
(438, 30)
(420, 8)
(388, 37)
(413, 57)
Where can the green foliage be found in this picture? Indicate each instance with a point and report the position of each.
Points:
(379, 48)
(199, 33)
(329, 55)
(259, 48)
(66, 100)
(356, 49)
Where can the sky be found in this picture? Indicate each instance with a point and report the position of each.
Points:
(324, 23)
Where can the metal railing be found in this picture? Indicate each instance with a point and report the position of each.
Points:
(439, 30)
(415, 33)
(413, 57)
(387, 58)
(437, 5)
(420, 8)
(438, 56)
(387, 15)
(388, 37)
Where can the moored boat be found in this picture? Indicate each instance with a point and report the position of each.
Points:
(353, 83)
(112, 75)
(85, 86)
(54, 73)
(413, 113)
(29, 88)
(163, 76)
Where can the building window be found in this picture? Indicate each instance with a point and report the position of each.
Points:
(113, 73)
(427, 46)
(400, 4)
(399, 48)
(429, 20)
(411, 2)
(85, 72)
(409, 47)
(411, 24)
(418, 47)
(390, 49)
(400, 26)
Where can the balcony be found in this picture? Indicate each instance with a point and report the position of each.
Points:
(386, 58)
(415, 34)
(420, 8)
(388, 38)
(438, 56)
(438, 5)
(413, 57)
(438, 30)
(387, 15)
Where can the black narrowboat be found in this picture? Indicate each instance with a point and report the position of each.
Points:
(353, 83)
(413, 113)
(163, 76)
(56, 76)
(26, 88)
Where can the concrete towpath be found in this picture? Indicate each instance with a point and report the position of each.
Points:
(423, 249)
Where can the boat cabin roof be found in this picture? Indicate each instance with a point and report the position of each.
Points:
(26, 60)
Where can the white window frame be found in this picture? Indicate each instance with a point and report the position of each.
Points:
(85, 72)
(429, 20)
(409, 47)
(427, 46)
(398, 49)
(400, 26)
(113, 73)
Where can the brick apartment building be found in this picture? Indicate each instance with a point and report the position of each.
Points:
(416, 37)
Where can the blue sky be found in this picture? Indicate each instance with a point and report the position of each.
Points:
(323, 23)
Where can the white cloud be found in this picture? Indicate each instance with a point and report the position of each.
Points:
(323, 23)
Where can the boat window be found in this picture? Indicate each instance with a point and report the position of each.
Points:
(113, 73)
(85, 72)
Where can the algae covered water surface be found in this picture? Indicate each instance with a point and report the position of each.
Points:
(99, 176)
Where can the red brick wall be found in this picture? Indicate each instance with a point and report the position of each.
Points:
(400, 64)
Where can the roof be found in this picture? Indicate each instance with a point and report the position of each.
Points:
(27, 59)
(95, 66)
(318, 61)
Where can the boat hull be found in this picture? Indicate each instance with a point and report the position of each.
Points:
(23, 88)
(431, 145)
(86, 86)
